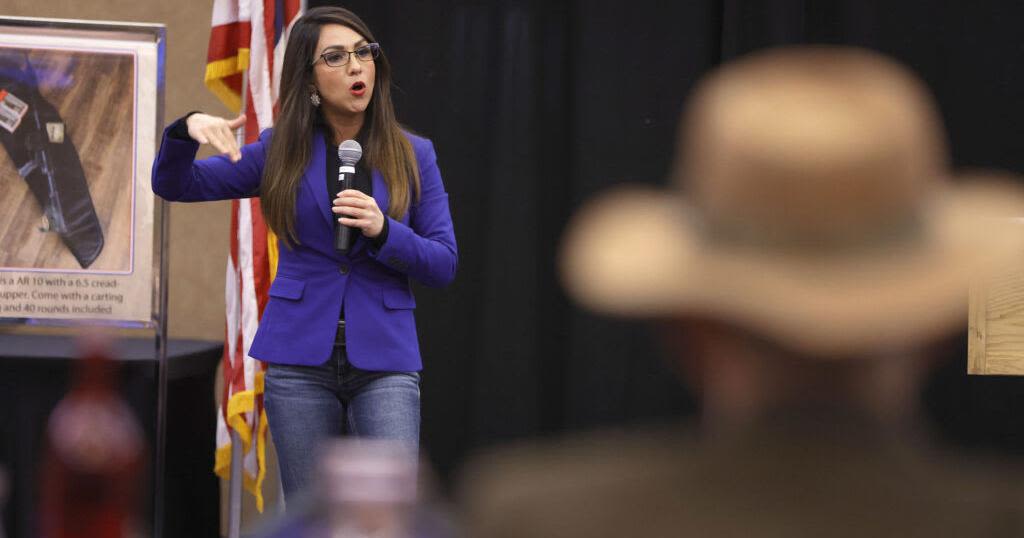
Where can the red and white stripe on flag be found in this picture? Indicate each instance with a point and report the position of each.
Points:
(247, 41)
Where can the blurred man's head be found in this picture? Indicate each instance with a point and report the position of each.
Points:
(812, 220)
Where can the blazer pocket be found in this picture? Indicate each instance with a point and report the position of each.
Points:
(287, 288)
(398, 299)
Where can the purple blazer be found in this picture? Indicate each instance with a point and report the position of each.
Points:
(313, 280)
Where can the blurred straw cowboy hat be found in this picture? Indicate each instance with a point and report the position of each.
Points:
(811, 202)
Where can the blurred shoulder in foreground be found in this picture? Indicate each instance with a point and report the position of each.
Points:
(784, 477)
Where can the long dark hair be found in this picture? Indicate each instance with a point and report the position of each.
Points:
(387, 149)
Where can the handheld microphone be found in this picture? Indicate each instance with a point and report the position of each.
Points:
(349, 153)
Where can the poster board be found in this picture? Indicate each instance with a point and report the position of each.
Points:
(80, 229)
(995, 334)
(995, 325)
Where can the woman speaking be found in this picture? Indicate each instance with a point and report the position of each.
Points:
(338, 333)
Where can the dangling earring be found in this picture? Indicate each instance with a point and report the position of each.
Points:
(314, 98)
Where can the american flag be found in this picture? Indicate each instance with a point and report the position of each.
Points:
(247, 41)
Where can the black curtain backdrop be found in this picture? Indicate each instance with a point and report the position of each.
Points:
(535, 105)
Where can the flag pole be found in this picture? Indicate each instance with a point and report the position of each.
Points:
(235, 480)
(235, 486)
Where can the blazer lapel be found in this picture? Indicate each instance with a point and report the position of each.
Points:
(316, 179)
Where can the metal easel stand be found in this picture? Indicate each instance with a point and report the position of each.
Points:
(161, 394)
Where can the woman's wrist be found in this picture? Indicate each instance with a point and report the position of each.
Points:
(382, 237)
(179, 129)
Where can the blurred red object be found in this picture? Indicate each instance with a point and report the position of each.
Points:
(95, 454)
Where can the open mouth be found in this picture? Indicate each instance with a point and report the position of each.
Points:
(358, 88)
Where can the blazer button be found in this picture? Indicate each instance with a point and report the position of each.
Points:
(343, 269)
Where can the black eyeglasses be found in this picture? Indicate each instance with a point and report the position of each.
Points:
(338, 58)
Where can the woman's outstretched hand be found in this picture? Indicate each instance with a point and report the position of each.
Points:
(216, 131)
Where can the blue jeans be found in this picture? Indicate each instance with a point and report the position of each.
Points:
(307, 404)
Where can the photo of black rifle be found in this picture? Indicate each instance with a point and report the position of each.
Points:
(34, 136)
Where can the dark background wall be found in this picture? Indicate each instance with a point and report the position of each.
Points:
(534, 106)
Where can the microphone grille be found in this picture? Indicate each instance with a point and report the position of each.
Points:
(349, 152)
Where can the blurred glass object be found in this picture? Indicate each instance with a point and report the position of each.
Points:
(367, 488)
(370, 488)
(95, 452)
